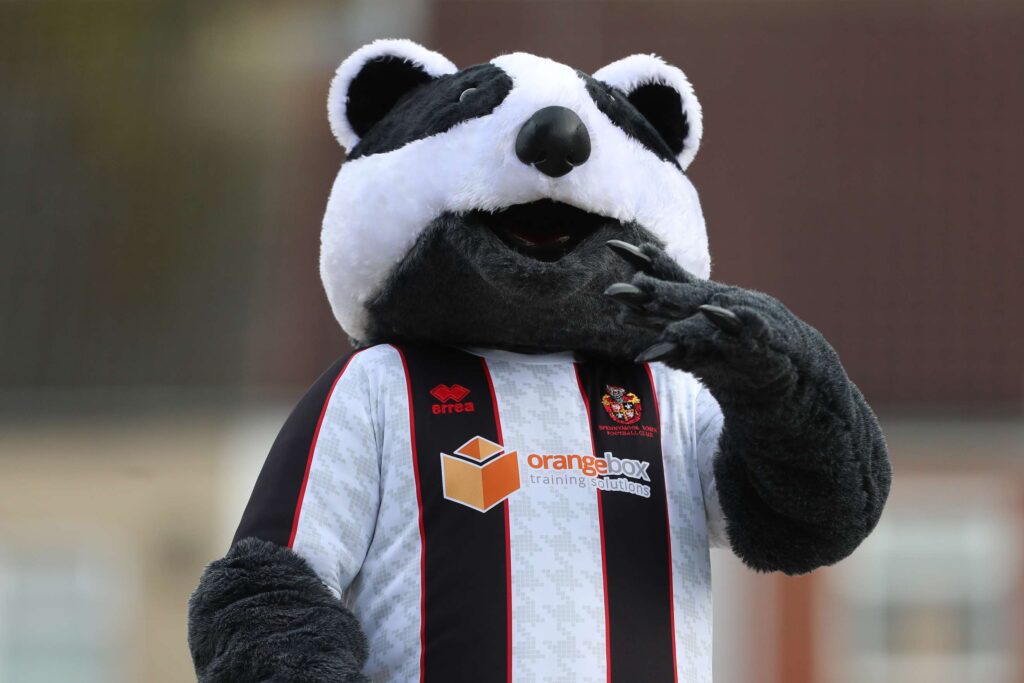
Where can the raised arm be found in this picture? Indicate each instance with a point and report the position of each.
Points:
(800, 464)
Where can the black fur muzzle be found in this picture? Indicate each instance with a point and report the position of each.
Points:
(464, 284)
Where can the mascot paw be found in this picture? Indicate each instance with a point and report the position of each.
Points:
(730, 337)
(262, 614)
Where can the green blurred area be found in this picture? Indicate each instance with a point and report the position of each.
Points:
(117, 206)
(146, 151)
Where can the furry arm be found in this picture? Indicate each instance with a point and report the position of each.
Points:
(802, 470)
(262, 614)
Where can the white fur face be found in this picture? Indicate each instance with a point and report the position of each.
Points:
(380, 203)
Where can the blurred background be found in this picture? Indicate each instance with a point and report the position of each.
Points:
(164, 166)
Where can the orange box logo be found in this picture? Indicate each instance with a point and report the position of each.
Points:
(479, 474)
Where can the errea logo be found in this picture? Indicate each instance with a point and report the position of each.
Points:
(450, 399)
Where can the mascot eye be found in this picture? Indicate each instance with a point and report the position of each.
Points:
(468, 92)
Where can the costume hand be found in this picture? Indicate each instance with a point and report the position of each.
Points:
(734, 339)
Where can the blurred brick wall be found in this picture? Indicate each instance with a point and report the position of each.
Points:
(861, 161)
(165, 168)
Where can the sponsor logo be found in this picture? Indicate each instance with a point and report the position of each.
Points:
(621, 405)
(479, 474)
(606, 473)
(450, 399)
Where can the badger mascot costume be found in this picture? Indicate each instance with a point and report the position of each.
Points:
(551, 413)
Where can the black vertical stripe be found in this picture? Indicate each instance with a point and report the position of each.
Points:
(636, 537)
(465, 603)
(271, 509)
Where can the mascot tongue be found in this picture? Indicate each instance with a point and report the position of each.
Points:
(534, 236)
(543, 225)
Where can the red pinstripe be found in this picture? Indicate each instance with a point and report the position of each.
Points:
(668, 524)
(419, 505)
(600, 517)
(508, 532)
(312, 449)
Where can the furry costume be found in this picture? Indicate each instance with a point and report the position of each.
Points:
(521, 209)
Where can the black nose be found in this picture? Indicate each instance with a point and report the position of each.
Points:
(554, 141)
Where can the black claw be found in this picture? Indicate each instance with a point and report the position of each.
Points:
(657, 352)
(628, 294)
(631, 254)
(722, 318)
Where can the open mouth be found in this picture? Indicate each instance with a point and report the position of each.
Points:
(544, 230)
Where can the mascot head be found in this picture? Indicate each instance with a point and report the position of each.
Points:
(475, 205)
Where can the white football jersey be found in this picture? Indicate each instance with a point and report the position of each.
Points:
(494, 516)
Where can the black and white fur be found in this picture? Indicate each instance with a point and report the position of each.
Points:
(443, 153)
(413, 251)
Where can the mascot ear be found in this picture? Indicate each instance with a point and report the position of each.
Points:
(372, 79)
(664, 96)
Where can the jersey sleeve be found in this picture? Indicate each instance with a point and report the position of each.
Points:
(709, 421)
(318, 491)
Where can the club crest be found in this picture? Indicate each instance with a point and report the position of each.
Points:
(622, 406)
